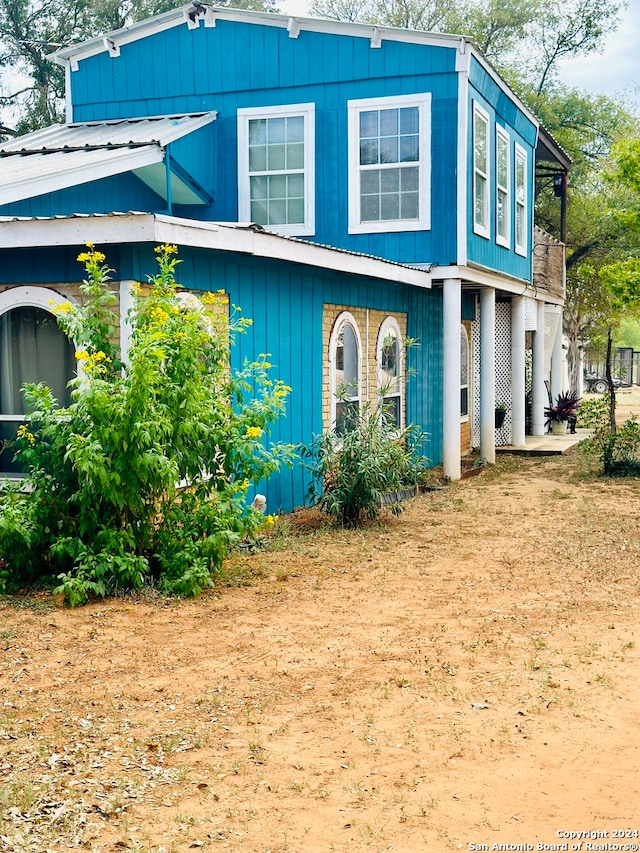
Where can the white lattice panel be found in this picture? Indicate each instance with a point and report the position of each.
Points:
(503, 373)
(530, 314)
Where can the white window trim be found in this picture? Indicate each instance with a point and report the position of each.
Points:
(307, 111)
(464, 335)
(354, 108)
(344, 317)
(502, 135)
(481, 228)
(521, 246)
(391, 323)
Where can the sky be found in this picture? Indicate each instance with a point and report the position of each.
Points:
(613, 72)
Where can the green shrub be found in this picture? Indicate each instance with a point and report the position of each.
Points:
(352, 471)
(145, 475)
(619, 452)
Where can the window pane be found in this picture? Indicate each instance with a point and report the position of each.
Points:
(388, 122)
(369, 154)
(368, 124)
(409, 178)
(34, 349)
(257, 131)
(276, 158)
(370, 181)
(259, 187)
(295, 186)
(277, 212)
(503, 163)
(409, 120)
(276, 130)
(295, 155)
(480, 189)
(370, 208)
(277, 186)
(258, 158)
(389, 150)
(390, 180)
(295, 210)
(390, 207)
(260, 212)
(391, 410)
(409, 206)
(501, 214)
(480, 143)
(409, 149)
(295, 129)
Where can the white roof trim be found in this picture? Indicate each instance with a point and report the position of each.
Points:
(230, 237)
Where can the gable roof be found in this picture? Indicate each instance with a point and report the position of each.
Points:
(66, 155)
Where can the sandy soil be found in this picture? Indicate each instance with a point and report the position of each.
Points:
(459, 678)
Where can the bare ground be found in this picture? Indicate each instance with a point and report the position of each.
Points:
(461, 677)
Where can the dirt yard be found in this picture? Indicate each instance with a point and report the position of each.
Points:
(459, 678)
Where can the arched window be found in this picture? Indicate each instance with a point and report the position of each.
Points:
(389, 359)
(464, 374)
(345, 371)
(32, 349)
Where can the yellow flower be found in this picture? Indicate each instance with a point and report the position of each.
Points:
(82, 355)
(23, 432)
(62, 308)
(166, 249)
(253, 432)
(159, 315)
(271, 519)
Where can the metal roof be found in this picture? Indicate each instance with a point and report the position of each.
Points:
(65, 155)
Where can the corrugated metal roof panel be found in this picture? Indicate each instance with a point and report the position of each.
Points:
(160, 130)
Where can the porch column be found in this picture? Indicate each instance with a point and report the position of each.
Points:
(517, 371)
(452, 314)
(487, 374)
(556, 363)
(539, 395)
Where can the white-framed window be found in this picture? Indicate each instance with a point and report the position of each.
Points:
(503, 187)
(345, 368)
(464, 374)
(276, 168)
(389, 163)
(522, 213)
(481, 171)
(33, 348)
(389, 357)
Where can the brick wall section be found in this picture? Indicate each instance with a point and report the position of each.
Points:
(369, 379)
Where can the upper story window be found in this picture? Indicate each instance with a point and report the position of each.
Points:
(345, 368)
(521, 201)
(389, 358)
(480, 171)
(503, 187)
(276, 167)
(389, 170)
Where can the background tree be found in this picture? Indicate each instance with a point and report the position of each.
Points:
(31, 86)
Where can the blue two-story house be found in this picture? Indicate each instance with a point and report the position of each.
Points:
(347, 185)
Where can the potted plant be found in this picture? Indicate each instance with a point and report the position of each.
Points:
(565, 408)
(501, 413)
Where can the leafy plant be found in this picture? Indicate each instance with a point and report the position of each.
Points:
(566, 406)
(619, 452)
(145, 475)
(353, 470)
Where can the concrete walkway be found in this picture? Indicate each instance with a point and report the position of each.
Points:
(546, 445)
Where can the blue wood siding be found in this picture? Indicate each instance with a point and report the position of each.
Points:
(504, 112)
(119, 193)
(237, 65)
(285, 302)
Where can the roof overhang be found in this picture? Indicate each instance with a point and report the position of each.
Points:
(132, 227)
(476, 277)
(62, 156)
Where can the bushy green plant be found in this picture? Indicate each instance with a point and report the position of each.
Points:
(353, 470)
(145, 474)
(619, 452)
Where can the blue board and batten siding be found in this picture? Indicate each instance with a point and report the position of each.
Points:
(503, 112)
(237, 65)
(285, 302)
